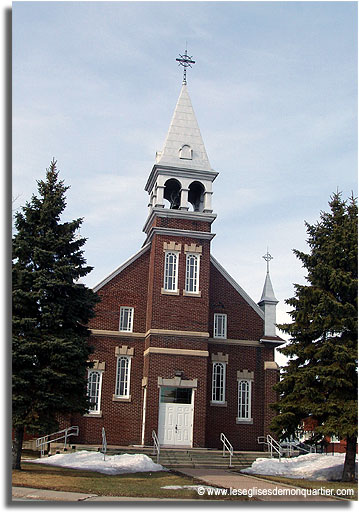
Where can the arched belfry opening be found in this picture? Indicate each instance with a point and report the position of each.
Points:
(196, 196)
(172, 193)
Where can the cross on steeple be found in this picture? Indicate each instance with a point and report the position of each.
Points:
(267, 257)
(185, 61)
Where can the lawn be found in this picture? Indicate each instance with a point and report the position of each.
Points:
(126, 485)
(306, 483)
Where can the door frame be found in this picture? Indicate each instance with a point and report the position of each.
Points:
(184, 404)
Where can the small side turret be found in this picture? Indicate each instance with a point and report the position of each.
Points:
(268, 302)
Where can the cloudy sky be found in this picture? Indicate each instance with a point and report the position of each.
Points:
(274, 89)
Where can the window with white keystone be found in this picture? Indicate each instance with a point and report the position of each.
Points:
(123, 377)
(126, 318)
(218, 382)
(192, 273)
(94, 384)
(244, 399)
(220, 325)
(171, 271)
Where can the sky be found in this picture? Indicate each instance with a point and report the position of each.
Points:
(274, 89)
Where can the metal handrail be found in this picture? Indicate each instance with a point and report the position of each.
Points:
(274, 446)
(156, 445)
(42, 441)
(227, 446)
(104, 443)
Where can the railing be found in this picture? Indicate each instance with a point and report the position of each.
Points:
(299, 446)
(64, 434)
(227, 446)
(156, 445)
(104, 444)
(273, 445)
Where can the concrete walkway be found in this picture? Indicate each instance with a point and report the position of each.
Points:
(20, 493)
(261, 489)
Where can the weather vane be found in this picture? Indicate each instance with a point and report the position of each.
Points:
(185, 61)
(267, 257)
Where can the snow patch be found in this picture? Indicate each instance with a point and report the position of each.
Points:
(89, 460)
(320, 467)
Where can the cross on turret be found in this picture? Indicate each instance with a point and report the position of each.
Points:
(185, 61)
(267, 257)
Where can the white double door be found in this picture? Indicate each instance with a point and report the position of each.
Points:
(175, 424)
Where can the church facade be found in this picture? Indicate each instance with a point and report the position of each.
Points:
(179, 348)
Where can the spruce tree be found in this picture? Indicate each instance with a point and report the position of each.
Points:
(320, 378)
(50, 311)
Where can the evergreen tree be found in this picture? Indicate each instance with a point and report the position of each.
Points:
(320, 378)
(50, 312)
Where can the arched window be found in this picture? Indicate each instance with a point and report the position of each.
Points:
(123, 377)
(192, 273)
(186, 152)
(172, 193)
(171, 271)
(94, 382)
(196, 196)
(244, 399)
(218, 382)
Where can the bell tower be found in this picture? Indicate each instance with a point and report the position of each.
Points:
(181, 179)
(178, 229)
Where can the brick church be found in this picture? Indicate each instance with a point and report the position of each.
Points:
(179, 347)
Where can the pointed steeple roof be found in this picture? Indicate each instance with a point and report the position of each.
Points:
(268, 292)
(184, 146)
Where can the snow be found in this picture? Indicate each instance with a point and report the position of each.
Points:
(90, 460)
(313, 466)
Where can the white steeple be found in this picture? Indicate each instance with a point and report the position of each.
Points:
(184, 146)
(268, 302)
(182, 178)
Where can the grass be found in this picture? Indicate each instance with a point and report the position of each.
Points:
(316, 485)
(141, 484)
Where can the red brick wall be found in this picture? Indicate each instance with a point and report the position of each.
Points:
(129, 288)
(165, 366)
(243, 322)
(180, 312)
(223, 418)
(121, 420)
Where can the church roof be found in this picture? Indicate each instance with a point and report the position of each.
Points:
(184, 131)
(268, 292)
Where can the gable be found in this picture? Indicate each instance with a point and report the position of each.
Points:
(237, 287)
(122, 267)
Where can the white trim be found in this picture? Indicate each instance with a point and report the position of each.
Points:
(178, 214)
(128, 395)
(197, 258)
(176, 232)
(249, 418)
(166, 275)
(98, 411)
(238, 288)
(224, 367)
(215, 326)
(122, 267)
(130, 317)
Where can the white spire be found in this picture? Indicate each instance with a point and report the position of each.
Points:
(184, 145)
(268, 302)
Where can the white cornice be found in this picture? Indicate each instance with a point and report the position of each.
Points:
(173, 232)
(178, 214)
(172, 171)
(122, 267)
(238, 288)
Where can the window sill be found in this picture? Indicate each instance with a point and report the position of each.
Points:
(170, 292)
(121, 399)
(192, 294)
(244, 421)
(219, 338)
(95, 415)
(214, 403)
